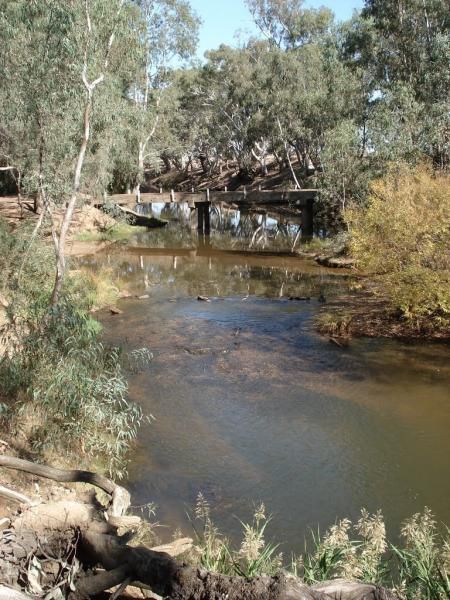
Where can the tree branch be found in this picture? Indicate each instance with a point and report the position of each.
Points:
(15, 496)
(119, 495)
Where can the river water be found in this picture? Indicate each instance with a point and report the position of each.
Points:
(250, 404)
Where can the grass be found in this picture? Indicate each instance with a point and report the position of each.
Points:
(94, 290)
(118, 233)
(215, 553)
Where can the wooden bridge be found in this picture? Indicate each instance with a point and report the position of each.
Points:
(303, 200)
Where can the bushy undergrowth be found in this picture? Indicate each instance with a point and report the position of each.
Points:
(419, 568)
(67, 391)
(402, 238)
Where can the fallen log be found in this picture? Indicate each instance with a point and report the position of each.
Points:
(138, 220)
(120, 497)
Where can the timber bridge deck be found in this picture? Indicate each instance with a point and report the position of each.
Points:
(303, 200)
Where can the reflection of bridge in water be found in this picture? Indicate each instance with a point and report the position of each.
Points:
(299, 204)
(206, 250)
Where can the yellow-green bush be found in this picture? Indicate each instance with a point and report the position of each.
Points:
(402, 238)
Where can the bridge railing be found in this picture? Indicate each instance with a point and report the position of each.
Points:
(257, 197)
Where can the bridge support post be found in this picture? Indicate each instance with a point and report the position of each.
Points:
(199, 207)
(308, 219)
(203, 217)
(206, 216)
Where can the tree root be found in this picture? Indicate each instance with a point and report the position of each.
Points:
(120, 497)
(74, 535)
(168, 578)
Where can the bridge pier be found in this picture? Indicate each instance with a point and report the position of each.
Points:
(203, 217)
(308, 219)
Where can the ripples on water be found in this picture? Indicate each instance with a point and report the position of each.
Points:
(252, 405)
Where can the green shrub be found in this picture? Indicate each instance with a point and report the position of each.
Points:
(402, 238)
(68, 391)
(424, 563)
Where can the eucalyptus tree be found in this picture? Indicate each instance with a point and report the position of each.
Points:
(404, 49)
(287, 24)
(37, 92)
(227, 97)
(412, 45)
(60, 65)
(168, 34)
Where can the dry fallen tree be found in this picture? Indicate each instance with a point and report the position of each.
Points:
(77, 538)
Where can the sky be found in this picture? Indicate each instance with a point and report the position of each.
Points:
(222, 18)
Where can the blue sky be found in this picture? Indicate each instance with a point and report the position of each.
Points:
(222, 18)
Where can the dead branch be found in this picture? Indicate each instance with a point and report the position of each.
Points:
(120, 497)
(14, 496)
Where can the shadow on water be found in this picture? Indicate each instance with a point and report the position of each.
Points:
(252, 405)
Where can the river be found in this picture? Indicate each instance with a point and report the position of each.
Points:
(250, 404)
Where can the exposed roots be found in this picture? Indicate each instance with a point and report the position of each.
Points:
(55, 551)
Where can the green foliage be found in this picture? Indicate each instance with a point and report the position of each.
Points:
(69, 391)
(286, 23)
(339, 555)
(345, 178)
(73, 391)
(402, 238)
(118, 233)
(419, 569)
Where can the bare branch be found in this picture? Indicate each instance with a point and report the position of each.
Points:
(120, 496)
(15, 496)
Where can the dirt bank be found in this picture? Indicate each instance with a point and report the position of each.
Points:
(86, 219)
(366, 313)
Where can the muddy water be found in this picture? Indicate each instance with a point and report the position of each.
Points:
(250, 404)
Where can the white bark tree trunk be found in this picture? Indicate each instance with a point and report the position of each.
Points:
(60, 240)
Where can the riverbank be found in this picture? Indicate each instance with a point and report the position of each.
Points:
(91, 229)
(367, 313)
(84, 547)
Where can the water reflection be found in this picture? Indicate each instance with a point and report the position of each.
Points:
(250, 228)
(251, 404)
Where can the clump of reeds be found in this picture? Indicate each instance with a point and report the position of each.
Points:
(418, 569)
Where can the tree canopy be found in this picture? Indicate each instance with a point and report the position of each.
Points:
(333, 103)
